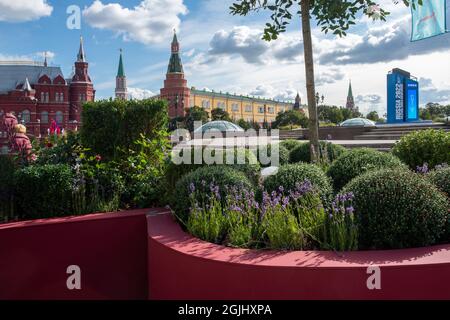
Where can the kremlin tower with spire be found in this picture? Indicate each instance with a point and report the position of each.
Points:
(175, 90)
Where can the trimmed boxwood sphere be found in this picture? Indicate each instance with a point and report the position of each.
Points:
(358, 161)
(251, 168)
(441, 179)
(282, 151)
(291, 143)
(221, 176)
(291, 174)
(302, 153)
(397, 209)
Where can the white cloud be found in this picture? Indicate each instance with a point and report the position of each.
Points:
(139, 94)
(37, 56)
(278, 93)
(149, 22)
(24, 10)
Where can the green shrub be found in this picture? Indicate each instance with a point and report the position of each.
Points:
(221, 176)
(44, 191)
(328, 151)
(397, 209)
(7, 169)
(264, 154)
(250, 167)
(111, 127)
(441, 179)
(291, 143)
(424, 146)
(358, 161)
(290, 175)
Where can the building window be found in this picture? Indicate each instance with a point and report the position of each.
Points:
(44, 117)
(26, 115)
(82, 97)
(261, 109)
(45, 97)
(248, 108)
(59, 117)
(281, 109)
(4, 150)
(59, 97)
(235, 107)
(221, 105)
(271, 110)
(205, 104)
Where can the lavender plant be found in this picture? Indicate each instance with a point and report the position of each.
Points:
(342, 229)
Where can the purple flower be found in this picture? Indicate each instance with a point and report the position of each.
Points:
(350, 210)
(424, 169)
(192, 188)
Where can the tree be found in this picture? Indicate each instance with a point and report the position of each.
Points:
(244, 124)
(373, 115)
(290, 118)
(332, 16)
(195, 114)
(219, 114)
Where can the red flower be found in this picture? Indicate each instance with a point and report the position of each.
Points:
(98, 158)
(49, 145)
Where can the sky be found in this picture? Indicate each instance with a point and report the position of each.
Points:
(224, 52)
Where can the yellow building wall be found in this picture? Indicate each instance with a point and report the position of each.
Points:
(242, 112)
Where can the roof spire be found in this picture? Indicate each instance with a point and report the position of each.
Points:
(45, 59)
(350, 90)
(175, 39)
(81, 56)
(26, 85)
(120, 71)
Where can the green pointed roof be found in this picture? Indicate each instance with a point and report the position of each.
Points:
(175, 39)
(120, 71)
(350, 90)
(175, 65)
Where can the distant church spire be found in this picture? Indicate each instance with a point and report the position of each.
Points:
(81, 57)
(45, 59)
(350, 100)
(121, 80)
(298, 102)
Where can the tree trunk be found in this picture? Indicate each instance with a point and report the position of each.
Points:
(310, 86)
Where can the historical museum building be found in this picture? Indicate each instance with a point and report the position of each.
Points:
(39, 94)
(180, 97)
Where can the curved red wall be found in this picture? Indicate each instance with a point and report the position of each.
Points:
(110, 249)
(181, 267)
(144, 254)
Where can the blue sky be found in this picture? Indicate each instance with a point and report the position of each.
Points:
(221, 51)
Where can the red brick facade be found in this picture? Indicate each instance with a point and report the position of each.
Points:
(42, 94)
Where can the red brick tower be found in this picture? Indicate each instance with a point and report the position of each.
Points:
(81, 87)
(175, 90)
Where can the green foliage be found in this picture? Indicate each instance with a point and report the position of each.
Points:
(434, 111)
(424, 146)
(175, 170)
(44, 191)
(111, 128)
(195, 114)
(441, 179)
(373, 115)
(291, 143)
(219, 114)
(397, 209)
(264, 154)
(332, 16)
(221, 176)
(283, 231)
(341, 225)
(333, 115)
(290, 118)
(59, 150)
(244, 124)
(289, 176)
(7, 169)
(328, 151)
(358, 161)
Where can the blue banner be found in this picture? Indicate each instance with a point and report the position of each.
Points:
(428, 19)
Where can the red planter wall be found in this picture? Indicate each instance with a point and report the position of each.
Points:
(110, 249)
(181, 267)
(144, 254)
